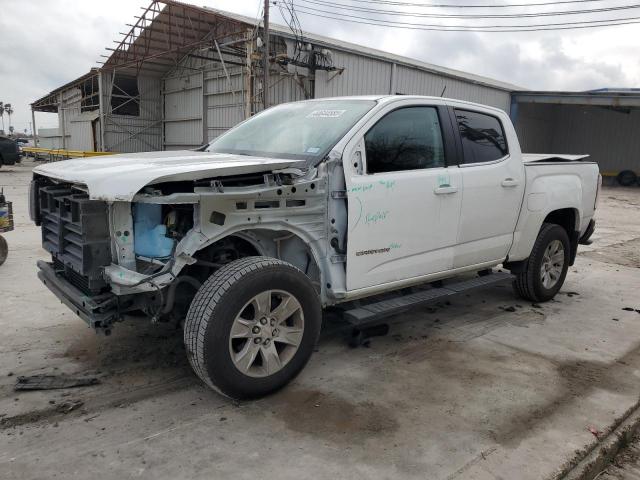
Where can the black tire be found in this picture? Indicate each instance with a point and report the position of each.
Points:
(627, 178)
(528, 283)
(4, 249)
(213, 312)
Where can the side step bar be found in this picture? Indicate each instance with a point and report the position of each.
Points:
(375, 312)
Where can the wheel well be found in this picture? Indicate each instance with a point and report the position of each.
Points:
(285, 246)
(227, 250)
(567, 218)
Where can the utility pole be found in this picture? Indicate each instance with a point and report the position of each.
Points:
(265, 79)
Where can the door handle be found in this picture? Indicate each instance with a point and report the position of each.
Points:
(445, 190)
(510, 182)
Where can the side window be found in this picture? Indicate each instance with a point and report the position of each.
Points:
(482, 135)
(405, 139)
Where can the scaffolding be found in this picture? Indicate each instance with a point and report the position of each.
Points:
(122, 104)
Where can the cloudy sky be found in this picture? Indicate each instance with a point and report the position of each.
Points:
(46, 43)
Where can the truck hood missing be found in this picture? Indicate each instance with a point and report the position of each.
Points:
(120, 177)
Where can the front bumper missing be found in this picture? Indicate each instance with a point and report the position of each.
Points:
(98, 311)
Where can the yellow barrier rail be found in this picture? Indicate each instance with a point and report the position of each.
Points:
(61, 152)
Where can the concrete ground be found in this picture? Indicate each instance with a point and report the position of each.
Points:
(469, 390)
(626, 466)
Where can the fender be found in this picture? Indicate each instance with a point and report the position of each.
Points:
(546, 194)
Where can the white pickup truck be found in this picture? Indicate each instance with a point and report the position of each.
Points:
(301, 207)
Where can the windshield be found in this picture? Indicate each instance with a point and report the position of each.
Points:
(300, 130)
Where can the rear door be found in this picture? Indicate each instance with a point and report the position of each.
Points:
(493, 186)
(404, 200)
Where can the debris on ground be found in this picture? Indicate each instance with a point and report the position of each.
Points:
(362, 336)
(510, 308)
(53, 382)
(595, 432)
(629, 309)
(570, 294)
(66, 407)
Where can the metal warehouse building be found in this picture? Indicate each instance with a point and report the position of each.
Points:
(603, 123)
(184, 74)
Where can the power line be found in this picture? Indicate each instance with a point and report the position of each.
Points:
(482, 27)
(508, 5)
(452, 28)
(378, 11)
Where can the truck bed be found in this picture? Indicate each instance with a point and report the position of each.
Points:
(551, 157)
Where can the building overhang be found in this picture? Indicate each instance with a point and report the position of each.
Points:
(51, 101)
(602, 98)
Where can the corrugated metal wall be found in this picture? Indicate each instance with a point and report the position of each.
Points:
(412, 81)
(143, 133)
(220, 96)
(608, 135)
(183, 102)
(68, 110)
(363, 75)
(49, 138)
(224, 100)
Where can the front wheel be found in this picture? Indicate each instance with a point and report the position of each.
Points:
(252, 326)
(545, 270)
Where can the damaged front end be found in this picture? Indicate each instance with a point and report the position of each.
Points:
(150, 255)
(98, 264)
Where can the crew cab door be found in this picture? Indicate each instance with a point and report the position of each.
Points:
(403, 199)
(493, 181)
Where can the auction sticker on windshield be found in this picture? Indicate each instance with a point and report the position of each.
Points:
(326, 113)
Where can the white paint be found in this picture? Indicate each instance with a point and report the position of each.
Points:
(403, 227)
(540, 157)
(120, 177)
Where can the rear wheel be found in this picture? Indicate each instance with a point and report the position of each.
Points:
(252, 326)
(545, 270)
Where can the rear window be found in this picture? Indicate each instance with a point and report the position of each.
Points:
(482, 135)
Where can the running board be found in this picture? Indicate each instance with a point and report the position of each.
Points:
(374, 312)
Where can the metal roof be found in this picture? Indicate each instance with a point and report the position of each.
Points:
(49, 102)
(374, 53)
(134, 53)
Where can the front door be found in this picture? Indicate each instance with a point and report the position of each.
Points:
(404, 202)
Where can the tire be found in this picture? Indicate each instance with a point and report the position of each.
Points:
(229, 300)
(4, 249)
(532, 283)
(627, 178)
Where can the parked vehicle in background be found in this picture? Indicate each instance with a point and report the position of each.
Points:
(301, 207)
(9, 151)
